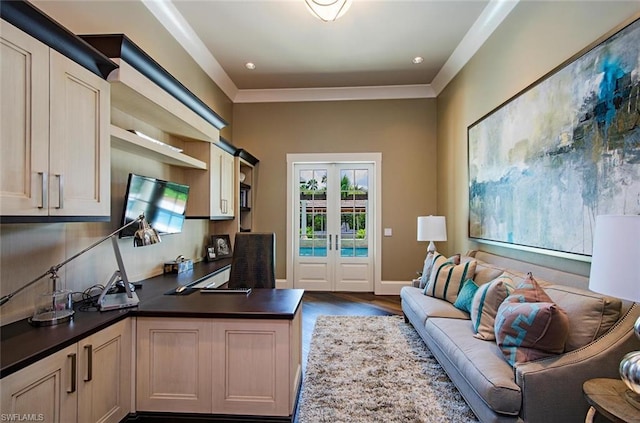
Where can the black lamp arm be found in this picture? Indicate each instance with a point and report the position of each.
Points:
(54, 269)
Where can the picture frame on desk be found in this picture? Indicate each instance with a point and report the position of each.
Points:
(221, 246)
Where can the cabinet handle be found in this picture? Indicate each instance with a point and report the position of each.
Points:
(73, 358)
(89, 350)
(329, 242)
(60, 191)
(336, 242)
(45, 190)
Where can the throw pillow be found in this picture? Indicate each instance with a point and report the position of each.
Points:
(484, 306)
(426, 270)
(529, 291)
(446, 278)
(465, 297)
(528, 331)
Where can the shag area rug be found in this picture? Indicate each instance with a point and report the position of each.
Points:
(375, 369)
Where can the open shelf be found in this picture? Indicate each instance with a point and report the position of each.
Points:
(130, 142)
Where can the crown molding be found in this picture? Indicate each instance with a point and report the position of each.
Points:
(334, 94)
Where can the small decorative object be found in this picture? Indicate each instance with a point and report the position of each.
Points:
(179, 265)
(242, 177)
(211, 253)
(221, 246)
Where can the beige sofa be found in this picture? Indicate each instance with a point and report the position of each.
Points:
(541, 391)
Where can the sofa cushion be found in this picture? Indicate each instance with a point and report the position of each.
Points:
(527, 331)
(486, 272)
(590, 314)
(480, 363)
(465, 297)
(424, 306)
(447, 278)
(484, 306)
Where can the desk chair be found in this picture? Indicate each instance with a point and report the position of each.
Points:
(253, 263)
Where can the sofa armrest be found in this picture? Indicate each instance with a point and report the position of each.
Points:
(552, 387)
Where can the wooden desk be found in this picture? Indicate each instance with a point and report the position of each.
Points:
(607, 397)
(210, 354)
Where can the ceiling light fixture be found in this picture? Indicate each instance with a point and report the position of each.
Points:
(328, 10)
(250, 65)
(417, 60)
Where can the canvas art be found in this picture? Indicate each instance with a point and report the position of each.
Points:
(546, 163)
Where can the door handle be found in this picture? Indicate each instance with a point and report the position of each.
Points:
(45, 190)
(72, 356)
(89, 350)
(60, 191)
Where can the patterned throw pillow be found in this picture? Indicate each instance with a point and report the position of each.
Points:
(465, 298)
(530, 330)
(484, 306)
(529, 325)
(446, 278)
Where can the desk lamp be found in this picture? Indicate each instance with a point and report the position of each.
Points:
(432, 228)
(614, 271)
(56, 312)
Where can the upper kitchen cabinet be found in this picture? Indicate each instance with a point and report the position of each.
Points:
(216, 186)
(54, 122)
(147, 96)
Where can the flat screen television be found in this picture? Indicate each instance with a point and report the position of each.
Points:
(163, 203)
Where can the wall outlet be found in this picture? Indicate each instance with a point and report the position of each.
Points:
(388, 232)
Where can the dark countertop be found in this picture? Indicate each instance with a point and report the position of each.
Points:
(22, 344)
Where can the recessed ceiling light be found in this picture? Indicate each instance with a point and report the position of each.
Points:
(417, 60)
(250, 66)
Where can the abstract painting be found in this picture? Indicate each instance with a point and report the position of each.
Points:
(544, 164)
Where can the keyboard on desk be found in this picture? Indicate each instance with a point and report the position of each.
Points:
(225, 291)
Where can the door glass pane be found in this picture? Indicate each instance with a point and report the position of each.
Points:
(313, 213)
(354, 200)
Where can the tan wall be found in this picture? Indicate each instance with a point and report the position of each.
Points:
(535, 38)
(402, 130)
(28, 250)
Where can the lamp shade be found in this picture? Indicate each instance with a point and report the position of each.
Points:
(616, 251)
(432, 228)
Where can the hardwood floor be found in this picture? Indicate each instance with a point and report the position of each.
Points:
(315, 304)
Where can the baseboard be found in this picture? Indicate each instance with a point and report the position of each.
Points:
(391, 287)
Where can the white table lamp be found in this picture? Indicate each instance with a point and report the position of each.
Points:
(614, 272)
(432, 228)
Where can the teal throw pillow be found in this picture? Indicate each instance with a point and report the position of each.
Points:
(465, 297)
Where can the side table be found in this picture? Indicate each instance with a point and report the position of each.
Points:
(607, 397)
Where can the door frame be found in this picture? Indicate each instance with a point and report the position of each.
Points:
(308, 158)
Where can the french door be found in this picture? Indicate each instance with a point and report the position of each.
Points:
(333, 226)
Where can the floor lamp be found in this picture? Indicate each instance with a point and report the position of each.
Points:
(62, 311)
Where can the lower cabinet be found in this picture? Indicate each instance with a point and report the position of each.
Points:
(218, 366)
(89, 381)
(105, 374)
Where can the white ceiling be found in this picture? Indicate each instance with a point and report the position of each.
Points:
(365, 54)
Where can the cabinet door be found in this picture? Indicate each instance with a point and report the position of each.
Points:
(104, 374)
(24, 123)
(173, 369)
(222, 184)
(252, 362)
(45, 391)
(79, 160)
